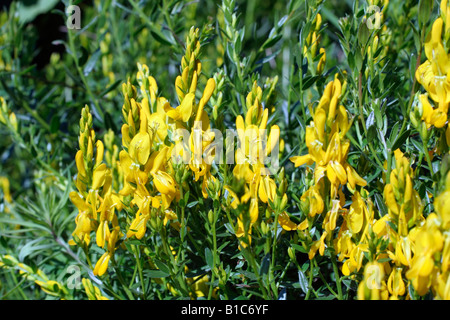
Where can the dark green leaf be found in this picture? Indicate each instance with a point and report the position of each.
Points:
(162, 266)
(156, 273)
(209, 258)
(265, 263)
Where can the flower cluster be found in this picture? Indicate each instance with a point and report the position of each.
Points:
(143, 183)
(433, 73)
(390, 243)
(256, 144)
(327, 151)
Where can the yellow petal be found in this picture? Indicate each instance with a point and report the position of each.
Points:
(102, 233)
(274, 138)
(354, 178)
(99, 176)
(79, 161)
(340, 171)
(286, 223)
(102, 264)
(301, 160)
(164, 182)
(100, 152)
(254, 213)
(267, 189)
(140, 148)
(209, 89)
(193, 86)
(159, 160)
(179, 88)
(390, 199)
(185, 109)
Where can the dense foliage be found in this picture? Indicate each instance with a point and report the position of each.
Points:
(225, 150)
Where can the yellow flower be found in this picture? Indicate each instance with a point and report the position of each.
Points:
(433, 74)
(355, 260)
(286, 223)
(373, 286)
(102, 264)
(92, 291)
(4, 185)
(395, 284)
(184, 111)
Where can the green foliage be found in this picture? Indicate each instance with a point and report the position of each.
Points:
(243, 42)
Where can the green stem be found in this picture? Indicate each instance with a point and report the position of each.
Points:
(251, 260)
(180, 279)
(389, 166)
(17, 286)
(36, 115)
(72, 48)
(325, 281)
(274, 247)
(121, 280)
(311, 273)
(363, 122)
(336, 274)
(215, 257)
(427, 156)
(141, 277)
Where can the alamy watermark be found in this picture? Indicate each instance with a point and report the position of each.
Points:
(254, 147)
(73, 17)
(375, 277)
(374, 17)
(74, 280)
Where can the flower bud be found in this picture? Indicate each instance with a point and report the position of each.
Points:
(210, 217)
(291, 254)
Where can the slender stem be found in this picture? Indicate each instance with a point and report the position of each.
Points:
(427, 156)
(336, 274)
(325, 281)
(411, 96)
(133, 276)
(389, 165)
(36, 115)
(252, 261)
(121, 280)
(81, 74)
(180, 282)
(363, 122)
(141, 277)
(311, 273)
(17, 286)
(215, 253)
(274, 247)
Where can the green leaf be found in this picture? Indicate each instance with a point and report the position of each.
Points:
(109, 122)
(111, 88)
(400, 140)
(299, 248)
(209, 258)
(425, 8)
(55, 123)
(32, 246)
(379, 202)
(265, 263)
(134, 242)
(162, 266)
(303, 281)
(192, 204)
(309, 81)
(28, 10)
(156, 273)
(92, 61)
(160, 37)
